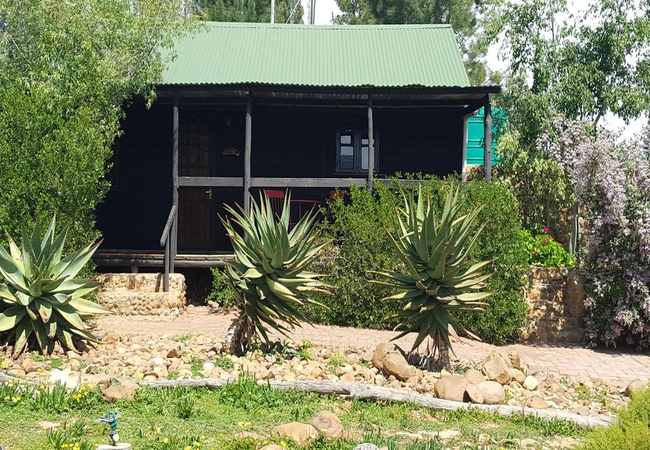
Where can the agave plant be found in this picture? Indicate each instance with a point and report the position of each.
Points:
(438, 279)
(41, 300)
(269, 278)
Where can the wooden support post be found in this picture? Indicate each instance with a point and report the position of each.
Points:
(371, 145)
(487, 138)
(247, 155)
(174, 230)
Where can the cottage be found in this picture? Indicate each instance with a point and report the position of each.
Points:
(250, 107)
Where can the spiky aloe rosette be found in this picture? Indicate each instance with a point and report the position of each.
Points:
(437, 280)
(269, 278)
(40, 297)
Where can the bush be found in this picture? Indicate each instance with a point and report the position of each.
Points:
(361, 244)
(544, 251)
(631, 432)
(221, 292)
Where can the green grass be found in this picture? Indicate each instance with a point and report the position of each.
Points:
(213, 418)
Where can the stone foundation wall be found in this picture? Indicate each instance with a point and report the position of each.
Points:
(130, 294)
(556, 305)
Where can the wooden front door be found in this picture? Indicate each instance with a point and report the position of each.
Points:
(196, 209)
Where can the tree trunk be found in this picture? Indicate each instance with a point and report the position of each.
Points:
(443, 353)
(364, 391)
(239, 336)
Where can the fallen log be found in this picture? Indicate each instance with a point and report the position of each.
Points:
(364, 391)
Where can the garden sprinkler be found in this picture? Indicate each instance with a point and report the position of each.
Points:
(111, 420)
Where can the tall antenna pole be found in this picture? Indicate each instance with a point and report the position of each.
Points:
(272, 11)
(312, 12)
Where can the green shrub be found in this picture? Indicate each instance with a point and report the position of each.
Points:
(221, 292)
(361, 244)
(544, 251)
(632, 430)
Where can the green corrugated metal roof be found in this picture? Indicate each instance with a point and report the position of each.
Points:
(318, 56)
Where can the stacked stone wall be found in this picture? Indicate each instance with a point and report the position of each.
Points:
(555, 299)
(130, 294)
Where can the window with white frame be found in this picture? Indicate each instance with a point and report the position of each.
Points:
(352, 151)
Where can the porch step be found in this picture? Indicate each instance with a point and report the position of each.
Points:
(134, 259)
(129, 294)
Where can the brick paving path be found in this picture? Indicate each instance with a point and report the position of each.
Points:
(611, 365)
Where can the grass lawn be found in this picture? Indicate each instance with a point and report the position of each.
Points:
(205, 419)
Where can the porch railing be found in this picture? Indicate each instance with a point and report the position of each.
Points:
(165, 241)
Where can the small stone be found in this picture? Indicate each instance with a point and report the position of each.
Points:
(380, 352)
(473, 376)
(474, 393)
(537, 403)
(634, 386)
(396, 365)
(517, 375)
(303, 434)
(447, 435)
(492, 392)
(496, 369)
(348, 377)
(49, 425)
(327, 424)
(248, 435)
(208, 366)
(118, 392)
(120, 446)
(366, 446)
(531, 383)
(272, 447)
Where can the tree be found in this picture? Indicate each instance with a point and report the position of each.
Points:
(286, 11)
(585, 66)
(461, 14)
(66, 71)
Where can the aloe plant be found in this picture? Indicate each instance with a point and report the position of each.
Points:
(269, 278)
(41, 301)
(437, 279)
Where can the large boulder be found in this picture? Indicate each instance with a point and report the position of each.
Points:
(492, 392)
(473, 376)
(303, 434)
(327, 424)
(380, 353)
(395, 364)
(451, 388)
(119, 392)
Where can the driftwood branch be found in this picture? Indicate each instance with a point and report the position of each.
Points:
(364, 391)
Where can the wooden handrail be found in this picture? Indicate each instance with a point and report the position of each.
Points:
(164, 242)
(168, 226)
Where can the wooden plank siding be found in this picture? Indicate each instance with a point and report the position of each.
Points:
(286, 143)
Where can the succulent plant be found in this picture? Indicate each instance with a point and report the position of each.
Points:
(40, 299)
(438, 278)
(269, 278)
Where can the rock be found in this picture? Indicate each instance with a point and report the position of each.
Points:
(30, 366)
(536, 402)
(348, 377)
(492, 392)
(208, 366)
(496, 369)
(380, 352)
(517, 375)
(531, 383)
(473, 376)
(119, 392)
(633, 386)
(511, 357)
(65, 376)
(327, 424)
(366, 446)
(49, 425)
(248, 435)
(303, 434)
(451, 388)
(272, 447)
(447, 435)
(120, 446)
(395, 364)
(474, 393)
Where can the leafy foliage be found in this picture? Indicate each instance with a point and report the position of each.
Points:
(221, 292)
(286, 11)
(612, 187)
(357, 223)
(41, 298)
(67, 69)
(544, 251)
(269, 280)
(436, 280)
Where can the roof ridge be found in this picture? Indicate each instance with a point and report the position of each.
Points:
(323, 27)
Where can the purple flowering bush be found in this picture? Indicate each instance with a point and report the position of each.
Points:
(611, 182)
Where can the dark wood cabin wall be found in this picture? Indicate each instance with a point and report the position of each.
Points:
(287, 142)
(136, 207)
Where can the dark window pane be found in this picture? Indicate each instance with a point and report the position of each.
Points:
(347, 157)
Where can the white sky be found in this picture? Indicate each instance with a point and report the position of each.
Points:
(325, 9)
